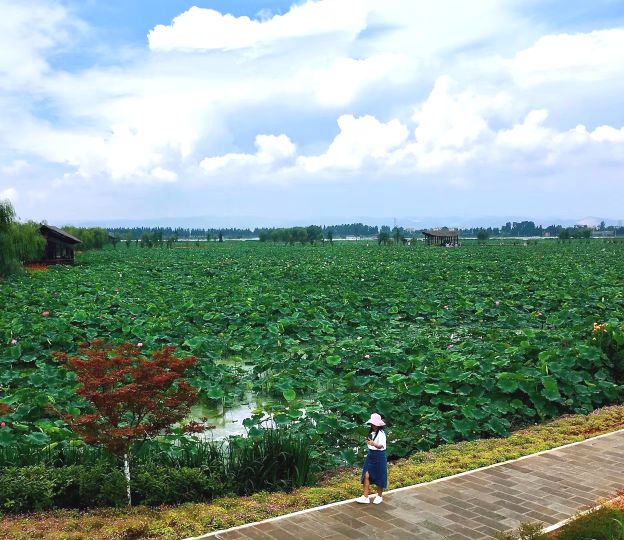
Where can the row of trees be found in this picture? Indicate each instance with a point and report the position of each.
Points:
(19, 242)
(181, 233)
(398, 235)
(90, 237)
(563, 234)
(529, 228)
(292, 235)
(357, 230)
(574, 232)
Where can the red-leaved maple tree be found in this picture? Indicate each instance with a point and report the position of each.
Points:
(132, 397)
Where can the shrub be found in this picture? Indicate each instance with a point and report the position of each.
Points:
(156, 485)
(603, 524)
(101, 485)
(25, 489)
(66, 481)
(187, 471)
(273, 461)
(526, 531)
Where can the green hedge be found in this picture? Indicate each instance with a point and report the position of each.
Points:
(186, 470)
(25, 489)
(154, 486)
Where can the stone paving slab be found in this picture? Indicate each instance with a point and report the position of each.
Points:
(548, 487)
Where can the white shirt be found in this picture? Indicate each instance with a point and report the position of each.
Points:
(379, 438)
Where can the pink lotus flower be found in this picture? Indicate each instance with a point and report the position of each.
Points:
(450, 346)
(139, 344)
(14, 342)
(45, 313)
(497, 302)
(2, 424)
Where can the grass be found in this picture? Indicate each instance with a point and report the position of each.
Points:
(606, 523)
(602, 523)
(172, 523)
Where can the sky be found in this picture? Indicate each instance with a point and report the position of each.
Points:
(142, 109)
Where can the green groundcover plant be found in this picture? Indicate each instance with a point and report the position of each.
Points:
(449, 345)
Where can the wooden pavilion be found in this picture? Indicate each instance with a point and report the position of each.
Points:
(60, 245)
(442, 237)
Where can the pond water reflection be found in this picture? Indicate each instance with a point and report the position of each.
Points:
(228, 420)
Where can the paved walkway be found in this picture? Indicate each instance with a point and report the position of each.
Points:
(548, 487)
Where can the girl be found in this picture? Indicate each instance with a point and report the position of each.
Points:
(375, 465)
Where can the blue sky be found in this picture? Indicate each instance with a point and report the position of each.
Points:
(129, 21)
(319, 109)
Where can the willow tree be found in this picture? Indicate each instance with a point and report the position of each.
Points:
(19, 242)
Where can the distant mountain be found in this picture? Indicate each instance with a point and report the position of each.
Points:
(591, 221)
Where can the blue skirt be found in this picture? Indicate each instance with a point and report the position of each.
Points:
(376, 464)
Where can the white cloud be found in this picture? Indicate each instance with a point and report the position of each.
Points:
(592, 56)
(164, 175)
(532, 135)
(452, 123)
(449, 118)
(272, 150)
(347, 76)
(529, 135)
(28, 29)
(9, 194)
(416, 93)
(206, 29)
(15, 167)
(608, 134)
(360, 140)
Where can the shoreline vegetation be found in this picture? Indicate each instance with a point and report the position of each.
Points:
(175, 523)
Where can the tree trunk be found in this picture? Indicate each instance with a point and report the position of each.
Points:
(127, 475)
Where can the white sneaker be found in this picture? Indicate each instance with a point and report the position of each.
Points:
(362, 500)
(377, 499)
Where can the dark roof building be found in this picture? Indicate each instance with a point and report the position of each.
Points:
(59, 245)
(442, 237)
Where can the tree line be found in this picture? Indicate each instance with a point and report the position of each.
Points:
(90, 237)
(357, 230)
(529, 228)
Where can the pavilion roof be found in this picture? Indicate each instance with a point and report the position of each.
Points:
(441, 232)
(70, 239)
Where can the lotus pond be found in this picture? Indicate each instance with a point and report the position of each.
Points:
(449, 344)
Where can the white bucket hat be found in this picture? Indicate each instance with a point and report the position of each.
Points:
(376, 420)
